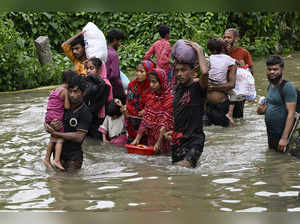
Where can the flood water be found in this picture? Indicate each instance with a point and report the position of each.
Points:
(236, 171)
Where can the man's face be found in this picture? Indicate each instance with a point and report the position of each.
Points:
(229, 38)
(183, 73)
(273, 71)
(75, 95)
(116, 44)
(78, 51)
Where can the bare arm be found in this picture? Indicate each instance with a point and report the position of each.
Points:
(202, 64)
(261, 109)
(291, 108)
(68, 42)
(228, 85)
(76, 136)
(66, 99)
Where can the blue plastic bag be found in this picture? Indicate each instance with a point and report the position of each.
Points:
(125, 80)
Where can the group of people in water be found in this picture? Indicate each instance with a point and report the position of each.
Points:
(164, 106)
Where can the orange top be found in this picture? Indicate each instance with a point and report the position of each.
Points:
(78, 65)
(240, 53)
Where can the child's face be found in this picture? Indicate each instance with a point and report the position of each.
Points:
(118, 102)
(141, 73)
(154, 83)
(90, 68)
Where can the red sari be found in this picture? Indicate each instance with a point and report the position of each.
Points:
(158, 113)
(137, 94)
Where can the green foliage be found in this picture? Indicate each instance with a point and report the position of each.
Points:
(262, 33)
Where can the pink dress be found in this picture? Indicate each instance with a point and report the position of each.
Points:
(103, 75)
(55, 107)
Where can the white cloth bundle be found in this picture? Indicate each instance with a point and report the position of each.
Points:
(95, 42)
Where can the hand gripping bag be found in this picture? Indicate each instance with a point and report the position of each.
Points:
(95, 43)
(184, 53)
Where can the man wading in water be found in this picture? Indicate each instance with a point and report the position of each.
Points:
(76, 122)
(188, 107)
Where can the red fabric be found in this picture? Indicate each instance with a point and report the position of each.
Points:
(138, 92)
(240, 53)
(162, 50)
(158, 112)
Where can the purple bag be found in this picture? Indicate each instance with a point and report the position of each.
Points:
(184, 53)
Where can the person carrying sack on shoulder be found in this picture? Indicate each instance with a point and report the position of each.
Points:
(280, 106)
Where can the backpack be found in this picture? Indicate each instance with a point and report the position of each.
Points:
(282, 95)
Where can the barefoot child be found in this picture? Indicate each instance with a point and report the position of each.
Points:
(219, 65)
(113, 128)
(57, 102)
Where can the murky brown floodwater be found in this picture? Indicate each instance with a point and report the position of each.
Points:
(236, 173)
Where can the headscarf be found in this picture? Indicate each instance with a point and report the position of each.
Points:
(139, 91)
(158, 110)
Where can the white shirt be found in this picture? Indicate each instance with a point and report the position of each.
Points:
(113, 127)
(219, 64)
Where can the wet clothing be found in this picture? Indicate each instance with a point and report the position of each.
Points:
(55, 107)
(74, 120)
(188, 136)
(137, 95)
(95, 98)
(158, 113)
(115, 130)
(216, 113)
(78, 65)
(162, 50)
(113, 74)
(276, 113)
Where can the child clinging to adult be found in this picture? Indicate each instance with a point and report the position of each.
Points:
(113, 128)
(219, 65)
(58, 101)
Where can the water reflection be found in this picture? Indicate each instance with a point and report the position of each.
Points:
(236, 171)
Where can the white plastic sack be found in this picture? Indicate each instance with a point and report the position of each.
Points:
(125, 80)
(95, 43)
(245, 84)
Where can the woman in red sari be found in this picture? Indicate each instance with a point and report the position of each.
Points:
(137, 93)
(158, 114)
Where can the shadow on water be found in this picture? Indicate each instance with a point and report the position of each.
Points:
(236, 171)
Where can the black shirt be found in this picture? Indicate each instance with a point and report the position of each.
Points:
(188, 108)
(78, 119)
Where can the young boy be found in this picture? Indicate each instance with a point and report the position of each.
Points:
(162, 50)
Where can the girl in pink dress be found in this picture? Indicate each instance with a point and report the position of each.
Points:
(58, 101)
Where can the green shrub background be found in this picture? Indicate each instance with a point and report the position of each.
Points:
(262, 33)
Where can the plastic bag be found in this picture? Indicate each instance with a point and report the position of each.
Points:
(125, 80)
(95, 43)
(184, 53)
(245, 84)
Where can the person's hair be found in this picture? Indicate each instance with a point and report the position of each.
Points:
(163, 30)
(115, 34)
(191, 65)
(154, 73)
(113, 109)
(275, 60)
(96, 62)
(234, 31)
(78, 81)
(77, 40)
(215, 45)
(67, 76)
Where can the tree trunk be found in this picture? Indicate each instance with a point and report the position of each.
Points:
(43, 50)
